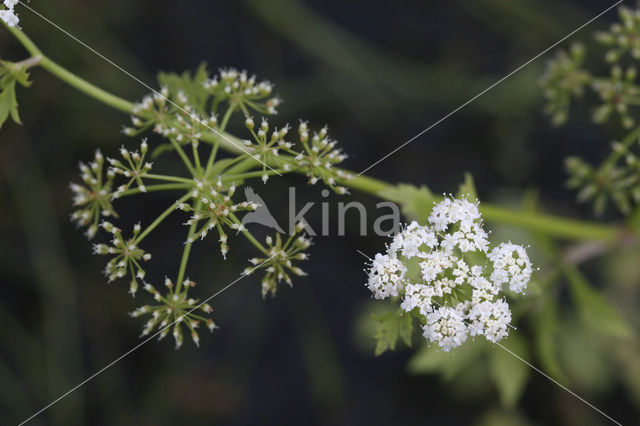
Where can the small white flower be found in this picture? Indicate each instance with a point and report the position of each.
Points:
(446, 327)
(413, 240)
(418, 296)
(511, 264)
(386, 276)
(9, 17)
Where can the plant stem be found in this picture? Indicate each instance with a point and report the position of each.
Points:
(186, 251)
(258, 173)
(160, 187)
(168, 178)
(196, 159)
(227, 116)
(212, 158)
(160, 218)
(249, 236)
(184, 157)
(551, 225)
(70, 78)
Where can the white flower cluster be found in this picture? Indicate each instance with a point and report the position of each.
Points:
(8, 14)
(446, 273)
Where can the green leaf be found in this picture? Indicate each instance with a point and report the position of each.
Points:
(596, 312)
(10, 74)
(432, 359)
(509, 373)
(392, 325)
(468, 188)
(191, 86)
(545, 323)
(503, 417)
(415, 202)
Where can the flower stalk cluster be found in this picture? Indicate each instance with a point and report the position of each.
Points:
(207, 188)
(617, 178)
(446, 275)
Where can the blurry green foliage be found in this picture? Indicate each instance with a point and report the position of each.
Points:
(414, 201)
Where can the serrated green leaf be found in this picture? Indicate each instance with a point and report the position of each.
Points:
(509, 373)
(392, 325)
(596, 312)
(468, 188)
(415, 202)
(10, 74)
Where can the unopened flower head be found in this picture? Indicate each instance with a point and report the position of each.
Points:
(132, 167)
(622, 37)
(447, 275)
(617, 93)
(213, 208)
(128, 257)
(278, 260)
(319, 158)
(93, 199)
(244, 89)
(564, 79)
(175, 311)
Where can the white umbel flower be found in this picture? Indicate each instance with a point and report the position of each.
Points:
(456, 292)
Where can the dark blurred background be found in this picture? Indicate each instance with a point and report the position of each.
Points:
(377, 73)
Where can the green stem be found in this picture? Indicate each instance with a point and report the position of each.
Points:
(160, 218)
(196, 159)
(168, 178)
(70, 78)
(533, 221)
(249, 236)
(548, 224)
(259, 173)
(227, 116)
(212, 158)
(184, 157)
(186, 252)
(160, 187)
